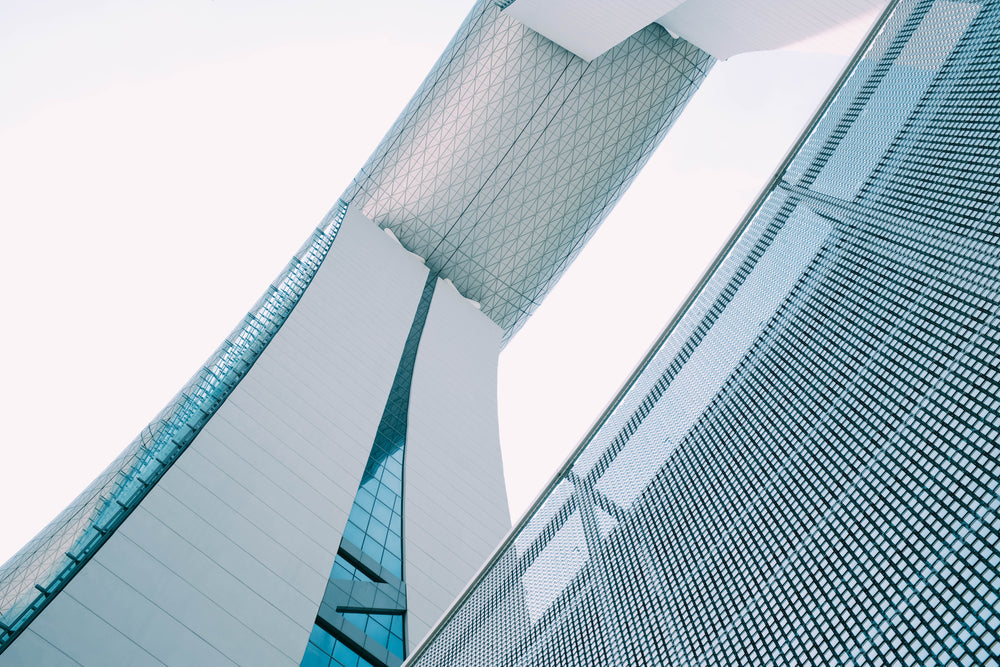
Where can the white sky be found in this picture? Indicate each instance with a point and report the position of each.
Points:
(161, 161)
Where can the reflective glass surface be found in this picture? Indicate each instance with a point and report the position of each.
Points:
(386, 629)
(375, 522)
(324, 650)
(344, 570)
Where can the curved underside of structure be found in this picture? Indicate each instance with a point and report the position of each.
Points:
(723, 28)
(513, 150)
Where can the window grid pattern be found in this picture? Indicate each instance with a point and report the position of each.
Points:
(344, 570)
(376, 519)
(807, 470)
(40, 570)
(386, 629)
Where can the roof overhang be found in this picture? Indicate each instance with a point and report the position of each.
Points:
(722, 28)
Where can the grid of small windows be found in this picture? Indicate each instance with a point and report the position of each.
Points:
(325, 650)
(386, 629)
(807, 471)
(344, 570)
(375, 522)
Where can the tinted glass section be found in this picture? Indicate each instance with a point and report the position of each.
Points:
(342, 569)
(325, 650)
(386, 629)
(375, 522)
(35, 574)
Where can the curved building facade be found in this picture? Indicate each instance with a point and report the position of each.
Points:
(226, 547)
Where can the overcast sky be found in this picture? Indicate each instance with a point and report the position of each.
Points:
(160, 163)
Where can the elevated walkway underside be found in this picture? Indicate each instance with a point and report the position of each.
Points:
(514, 149)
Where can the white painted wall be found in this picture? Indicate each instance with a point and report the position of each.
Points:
(727, 27)
(588, 28)
(454, 503)
(227, 558)
(722, 28)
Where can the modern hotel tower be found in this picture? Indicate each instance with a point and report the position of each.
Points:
(805, 468)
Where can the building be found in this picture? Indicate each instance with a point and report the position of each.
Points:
(805, 470)
(266, 503)
(334, 469)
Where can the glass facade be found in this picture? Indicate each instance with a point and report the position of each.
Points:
(371, 550)
(806, 468)
(33, 576)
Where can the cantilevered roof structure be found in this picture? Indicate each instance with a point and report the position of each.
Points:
(215, 535)
(722, 28)
(514, 149)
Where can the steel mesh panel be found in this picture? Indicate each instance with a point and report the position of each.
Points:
(806, 471)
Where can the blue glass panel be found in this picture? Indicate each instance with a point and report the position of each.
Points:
(377, 532)
(365, 499)
(373, 548)
(322, 639)
(392, 563)
(314, 657)
(344, 657)
(378, 632)
(360, 620)
(386, 494)
(353, 533)
(395, 644)
(386, 629)
(382, 512)
(375, 521)
(344, 570)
